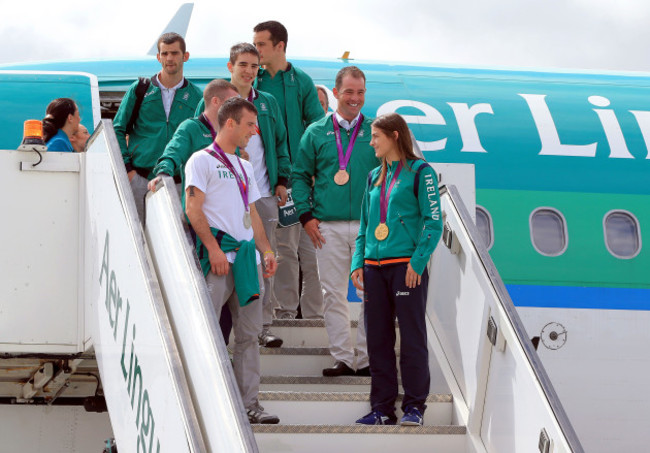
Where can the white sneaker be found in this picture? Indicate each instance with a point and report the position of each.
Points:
(268, 340)
(257, 415)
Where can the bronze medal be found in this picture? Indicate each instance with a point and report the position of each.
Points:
(381, 232)
(341, 177)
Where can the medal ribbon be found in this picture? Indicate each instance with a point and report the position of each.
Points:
(384, 196)
(216, 152)
(343, 160)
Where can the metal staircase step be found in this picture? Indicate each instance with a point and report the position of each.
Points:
(353, 438)
(307, 332)
(295, 361)
(359, 429)
(317, 413)
(315, 383)
(296, 407)
(307, 323)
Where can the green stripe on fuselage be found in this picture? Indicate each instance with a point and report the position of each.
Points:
(586, 261)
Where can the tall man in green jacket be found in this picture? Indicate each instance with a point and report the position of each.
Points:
(169, 99)
(194, 134)
(268, 153)
(298, 100)
(336, 152)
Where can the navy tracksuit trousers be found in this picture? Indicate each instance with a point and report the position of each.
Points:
(386, 296)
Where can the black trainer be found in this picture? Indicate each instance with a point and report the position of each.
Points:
(339, 369)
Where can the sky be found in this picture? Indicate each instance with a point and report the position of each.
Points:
(545, 34)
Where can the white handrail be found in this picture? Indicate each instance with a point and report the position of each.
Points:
(205, 357)
(509, 401)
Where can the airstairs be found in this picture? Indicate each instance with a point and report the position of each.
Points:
(96, 309)
(318, 413)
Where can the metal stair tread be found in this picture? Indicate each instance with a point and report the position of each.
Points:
(291, 379)
(338, 396)
(310, 323)
(306, 323)
(293, 350)
(297, 350)
(359, 429)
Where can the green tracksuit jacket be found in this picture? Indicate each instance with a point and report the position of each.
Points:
(244, 269)
(299, 98)
(318, 157)
(414, 218)
(274, 137)
(152, 129)
(192, 135)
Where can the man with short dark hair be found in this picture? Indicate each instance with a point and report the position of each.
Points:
(298, 100)
(168, 101)
(220, 197)
(336, 153)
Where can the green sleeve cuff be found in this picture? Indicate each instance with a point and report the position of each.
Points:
(357, 260)
(419, 263)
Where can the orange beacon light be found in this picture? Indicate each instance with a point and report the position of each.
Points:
(33, 137)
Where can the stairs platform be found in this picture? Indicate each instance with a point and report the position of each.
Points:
(353, 438)
(325, 408)
(318, 413)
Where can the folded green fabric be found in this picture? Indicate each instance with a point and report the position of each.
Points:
(244, 269)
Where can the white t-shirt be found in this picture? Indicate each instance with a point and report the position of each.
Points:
(223, 205)
(255, 150)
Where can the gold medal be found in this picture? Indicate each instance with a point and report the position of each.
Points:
(341, 177)
(381, 232)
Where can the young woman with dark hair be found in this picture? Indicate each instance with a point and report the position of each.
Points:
(399, 229)
(60, 123)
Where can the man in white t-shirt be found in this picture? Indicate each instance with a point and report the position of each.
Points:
(221, 192)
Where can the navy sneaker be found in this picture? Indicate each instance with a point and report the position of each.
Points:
(412, 417)
(376, 418)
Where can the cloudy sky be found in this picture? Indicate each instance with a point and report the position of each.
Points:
(571, 34)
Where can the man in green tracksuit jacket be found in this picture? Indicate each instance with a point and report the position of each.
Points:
(268, 153)
(193, 134)
(292, 88)
(298, 100)
(336, 152)
(169, 100)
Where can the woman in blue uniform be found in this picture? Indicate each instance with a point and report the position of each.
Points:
(399, 229)
(60, 123)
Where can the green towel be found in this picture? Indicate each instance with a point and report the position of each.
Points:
(244, 269)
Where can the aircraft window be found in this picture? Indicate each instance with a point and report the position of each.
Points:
(484, 225)
(622, 234)
(548, 231)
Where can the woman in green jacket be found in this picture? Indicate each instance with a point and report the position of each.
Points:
(400, 226)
